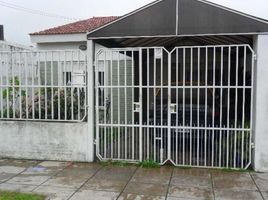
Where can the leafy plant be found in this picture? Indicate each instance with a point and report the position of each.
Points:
(11, 96)
(149, 164)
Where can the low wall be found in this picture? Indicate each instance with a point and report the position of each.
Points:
(45, 141)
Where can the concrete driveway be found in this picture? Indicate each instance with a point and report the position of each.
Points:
(83, 181)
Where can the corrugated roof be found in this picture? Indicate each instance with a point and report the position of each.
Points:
(82, 26)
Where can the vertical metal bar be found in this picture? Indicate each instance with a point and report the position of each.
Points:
(65, 86)
(20, 83)
(13, 83)
(112, 106)
(213, 106)
(236, 101)
(169, 104)
(72, 89)
(206, 105)
(118, 103)
(105, 107)
(228, 105)
(154, 104)
(1, 83)
(26, 84)
(177, 102)
(52, 85)
(59, 78)
(126, 107)
(148, 102)
(220, 147)
(39, 84)
(191, 103)
(97, 103)
(243, 105)
(8, 84)
(183, 112)
(141, 107)
(251, 103)
(46, 85)
(132, 95)
(198, 105)
(33, 95)
(78, 90)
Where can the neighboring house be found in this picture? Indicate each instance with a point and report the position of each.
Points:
(73, 37)
(69, 36)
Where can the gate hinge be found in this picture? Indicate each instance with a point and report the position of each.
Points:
(95, 142)
(252, 145)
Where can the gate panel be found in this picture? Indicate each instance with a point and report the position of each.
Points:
(191, 106)
(211, 106)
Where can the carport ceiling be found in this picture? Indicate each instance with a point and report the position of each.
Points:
(177, 41)
(179, 18)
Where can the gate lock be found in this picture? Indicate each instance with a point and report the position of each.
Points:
(137, 107)
(173, 108)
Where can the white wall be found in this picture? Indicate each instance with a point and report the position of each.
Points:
(261, 104)
(45, 141)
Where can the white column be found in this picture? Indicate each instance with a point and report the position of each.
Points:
(91, 110)
(260, 123)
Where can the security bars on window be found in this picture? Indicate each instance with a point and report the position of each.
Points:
(43, 85)
(191, 106)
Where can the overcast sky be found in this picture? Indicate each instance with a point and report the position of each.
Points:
(18, 24)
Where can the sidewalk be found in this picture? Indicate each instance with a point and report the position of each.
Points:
(81, 181)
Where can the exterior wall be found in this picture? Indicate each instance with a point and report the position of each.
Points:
(59, 45)
(45, 141)
(261, 104)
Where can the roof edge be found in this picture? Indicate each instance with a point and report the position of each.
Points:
(126, 15)
(234, 11)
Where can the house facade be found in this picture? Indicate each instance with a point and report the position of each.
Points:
(176, 81)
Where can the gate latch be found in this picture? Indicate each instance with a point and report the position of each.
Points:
(173, 108)
(137, 107)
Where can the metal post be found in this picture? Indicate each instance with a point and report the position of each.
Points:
(90, 89)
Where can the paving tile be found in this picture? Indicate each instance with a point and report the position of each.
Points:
(192, 172)
(73, 176)
(154, 176)
(261, 179)
(19, 163)
(54, 193)
(233, 181)
(146, 189)
(237, 195)
(191, 181)
(47, 168)
(139, 197)
(94, 195)
(11, 169)
(265, 195)
(190, 192)
(116, 173)
(28, 179)
(5, 176)
(105, 185)
(16, 187)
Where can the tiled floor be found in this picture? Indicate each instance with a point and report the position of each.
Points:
(80, 181)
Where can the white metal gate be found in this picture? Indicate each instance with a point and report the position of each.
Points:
(191, 106)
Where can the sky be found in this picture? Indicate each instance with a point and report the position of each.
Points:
(18, 24)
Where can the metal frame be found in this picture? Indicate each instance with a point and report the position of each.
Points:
(203, 81)
(43, 85)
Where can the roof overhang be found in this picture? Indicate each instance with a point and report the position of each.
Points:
(181, 18)
(58, 38)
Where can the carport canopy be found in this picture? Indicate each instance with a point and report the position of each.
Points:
(183, 18)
